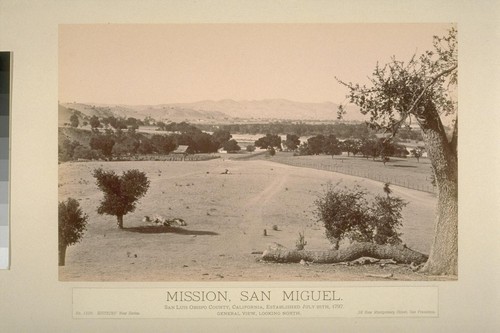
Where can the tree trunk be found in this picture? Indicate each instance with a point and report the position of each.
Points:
(119, 221)
(443, 257)
(62, 254)
(399, 254)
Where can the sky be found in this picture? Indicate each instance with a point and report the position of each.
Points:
(181, 63)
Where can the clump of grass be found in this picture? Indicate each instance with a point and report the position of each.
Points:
(301, 242)
(275, 227)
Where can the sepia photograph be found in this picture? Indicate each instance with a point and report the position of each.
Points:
(258, 152)
(251, 166)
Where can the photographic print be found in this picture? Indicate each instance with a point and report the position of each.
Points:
(258, 152)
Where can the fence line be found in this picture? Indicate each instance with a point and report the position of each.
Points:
(358, 173)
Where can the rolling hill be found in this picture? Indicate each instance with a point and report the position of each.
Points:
(223, 111)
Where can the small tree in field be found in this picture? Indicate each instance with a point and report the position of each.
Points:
(120, 192)
(250, 148)
(72, 225)
(231, 146)
(417, 153)
(346, 213)
(74, 120)
(387, 218)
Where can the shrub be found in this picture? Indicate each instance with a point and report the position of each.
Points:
(250, 148)
(301, 242)
(346, 213)
(82, 152)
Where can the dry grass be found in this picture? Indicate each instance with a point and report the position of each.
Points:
(226, 215)
(406, 172)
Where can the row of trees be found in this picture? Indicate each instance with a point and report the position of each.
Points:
(104, 122)
(330, 145)
(340, 130)
(120, 143)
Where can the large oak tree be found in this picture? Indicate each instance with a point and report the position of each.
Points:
(422, 90)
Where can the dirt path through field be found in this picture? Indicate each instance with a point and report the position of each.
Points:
(253, 223)
(226, 214)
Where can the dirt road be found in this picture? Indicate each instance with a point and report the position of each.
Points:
(226, 216)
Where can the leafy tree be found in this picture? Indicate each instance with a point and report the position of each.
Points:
(270, 140)
(292, 142)
(74, 121)
(82, 152)
(161, 126)
(384, 149)
(316, 144)
(250, 148)
(72, 225)
(145, 146)
(132, 122)
(94, 122)
(346, 213)
(220, 137)
(203, 143)
(343, 213)
(422, 89)
(163, 144)
(399, 150)
(125, 144)
(67, 149)
(304, 149)
(387, 218)
(369, 148)
(417, 153)
(104, 143)
(231, 146)
(332, 145)
(181, 127)
(148, 121)
(120, 192)
(184, 139)
(351, 146)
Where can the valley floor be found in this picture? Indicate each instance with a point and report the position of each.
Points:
(226, 216)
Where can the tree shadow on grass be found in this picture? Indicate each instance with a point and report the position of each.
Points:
(403, 166)
(170, 230)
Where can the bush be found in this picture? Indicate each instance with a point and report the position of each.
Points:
(346, 213)
(250, 148)
(301, 242)
(82, 152)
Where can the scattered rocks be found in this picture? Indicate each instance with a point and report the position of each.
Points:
(159, 220)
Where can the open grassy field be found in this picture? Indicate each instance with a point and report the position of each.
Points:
(226, 216)
(405, 172)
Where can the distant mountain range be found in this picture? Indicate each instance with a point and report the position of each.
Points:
(223, 111)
